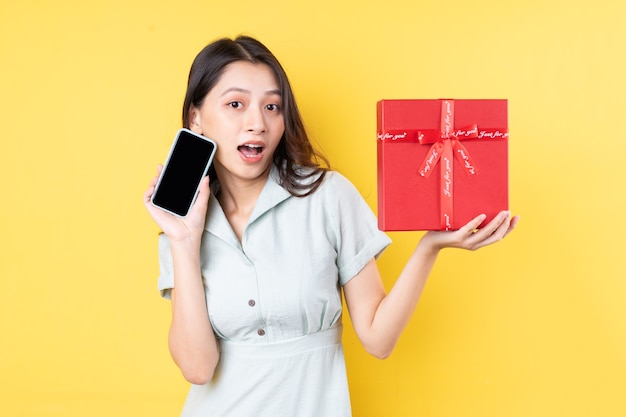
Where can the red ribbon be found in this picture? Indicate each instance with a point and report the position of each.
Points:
(444, 146)
(446, 141)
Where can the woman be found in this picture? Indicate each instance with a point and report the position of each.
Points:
(255, 271)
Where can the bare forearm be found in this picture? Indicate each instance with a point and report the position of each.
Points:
(397, 307)
(380, 318)
(191, 339)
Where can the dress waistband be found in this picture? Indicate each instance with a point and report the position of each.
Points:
(288, 347)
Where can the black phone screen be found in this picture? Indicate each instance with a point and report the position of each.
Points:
(187, 163)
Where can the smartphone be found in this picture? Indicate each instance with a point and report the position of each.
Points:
(188, 162)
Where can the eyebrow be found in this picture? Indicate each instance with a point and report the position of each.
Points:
(243, 90)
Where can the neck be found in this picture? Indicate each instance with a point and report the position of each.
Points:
(238, 196)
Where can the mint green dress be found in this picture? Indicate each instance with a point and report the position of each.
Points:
(274, 300)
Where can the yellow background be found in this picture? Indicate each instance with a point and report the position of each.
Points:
(90, 96)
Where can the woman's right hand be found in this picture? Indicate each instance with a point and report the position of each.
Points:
(177, 228)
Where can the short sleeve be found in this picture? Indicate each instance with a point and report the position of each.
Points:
(166, 269)
(357, 235)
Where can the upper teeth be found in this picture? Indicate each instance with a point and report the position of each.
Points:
(252, 146)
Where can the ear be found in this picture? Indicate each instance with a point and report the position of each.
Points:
(195, 120)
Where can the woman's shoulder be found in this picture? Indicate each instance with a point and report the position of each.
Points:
(309, 176)
(330, 180)
(337, 187)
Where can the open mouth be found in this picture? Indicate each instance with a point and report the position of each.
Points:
(250, 150)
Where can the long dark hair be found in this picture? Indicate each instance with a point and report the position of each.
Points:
(298, 162)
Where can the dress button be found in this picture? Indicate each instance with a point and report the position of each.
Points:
(261, 332)
(251, 303)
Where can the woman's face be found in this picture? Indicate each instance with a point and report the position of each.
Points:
(243, 115)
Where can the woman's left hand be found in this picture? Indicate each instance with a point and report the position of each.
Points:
(470, 237)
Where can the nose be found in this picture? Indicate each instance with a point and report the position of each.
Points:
(255, 120)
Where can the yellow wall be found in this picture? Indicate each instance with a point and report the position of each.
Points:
(90, 96)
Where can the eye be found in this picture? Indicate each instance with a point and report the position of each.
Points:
(235, 104)
(273, 107)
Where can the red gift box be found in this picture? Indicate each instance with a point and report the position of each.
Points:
(441, 162)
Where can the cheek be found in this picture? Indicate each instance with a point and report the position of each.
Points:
(218, 127)
(279, 131)
(221, 156)
(279, 126)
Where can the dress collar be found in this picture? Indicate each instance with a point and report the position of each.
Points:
(272, 194)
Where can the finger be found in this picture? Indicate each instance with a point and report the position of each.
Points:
(471, 226)
(512, 225)
(204, 189)
(489, 230)
(494, 224)
(202, 200)
(506, 227)
(148, 195)
(154, 181)
(489, 235)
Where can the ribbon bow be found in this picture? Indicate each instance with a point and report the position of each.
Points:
(447, 141)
